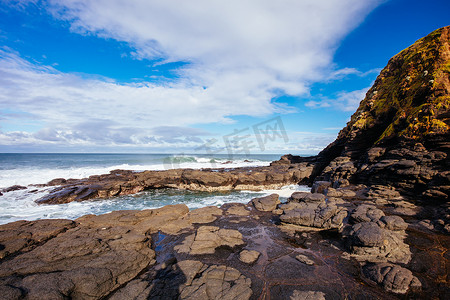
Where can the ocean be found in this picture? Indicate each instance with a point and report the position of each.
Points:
(29, 169)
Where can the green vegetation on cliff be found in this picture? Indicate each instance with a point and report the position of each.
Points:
(410, 98)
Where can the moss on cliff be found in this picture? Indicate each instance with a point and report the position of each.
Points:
(410, 97)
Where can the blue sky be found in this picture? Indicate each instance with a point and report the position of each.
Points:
(189, 76)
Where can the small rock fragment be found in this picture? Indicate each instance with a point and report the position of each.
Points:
(249, 256)
(304, 259)
(307, 295)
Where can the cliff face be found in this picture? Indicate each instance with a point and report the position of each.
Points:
(404, 117)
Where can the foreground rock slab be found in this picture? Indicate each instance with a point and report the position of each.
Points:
(233, 252)
(312, 210)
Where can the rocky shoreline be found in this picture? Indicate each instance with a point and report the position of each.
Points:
(311, 246)
(121, 182)
(375, 225)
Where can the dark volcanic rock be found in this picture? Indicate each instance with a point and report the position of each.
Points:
(394, 223)
(368, 241)
(267, 203)
(82, 263)
(320, 186)
(366, 213)
(368, 234)
(391, 277)
(312, 210)
(307, 197)
(120, 182)
(85, 259)
(57, 181)
(14, 188)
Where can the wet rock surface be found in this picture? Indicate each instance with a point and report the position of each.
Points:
(122, 182)
(393, 278)
(13, 188)
(233, 252)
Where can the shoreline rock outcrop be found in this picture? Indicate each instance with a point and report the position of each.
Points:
(121, 182)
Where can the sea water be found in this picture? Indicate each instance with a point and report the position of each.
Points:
(30, 169)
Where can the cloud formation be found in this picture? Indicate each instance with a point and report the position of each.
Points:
(344, 101)
(240, 54)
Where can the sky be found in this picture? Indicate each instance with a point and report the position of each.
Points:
(198, 76)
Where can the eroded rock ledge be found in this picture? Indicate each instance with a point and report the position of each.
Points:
(121, 182)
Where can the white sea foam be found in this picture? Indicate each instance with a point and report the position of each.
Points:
(26, 176)
(20, 205)
(287, 190)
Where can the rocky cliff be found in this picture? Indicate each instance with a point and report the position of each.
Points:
(399, 135)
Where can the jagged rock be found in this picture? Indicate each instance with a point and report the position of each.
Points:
(312, 210)
(14, 188)
(307, 295)
(392, 278)
(384, 192)
(341, 167)
(208, 238)
(320, 186)
(366, 213)
(170, 219)
(249, 256)
(404, 208)
(340, 183)
(374, 153)
(267, 203)
(394, 223)
(307, 197)
(435, 194)
(121, 182)
(304, 259)
(369, 242)
(57, 181)
(340, 193)
(426, 224)
(368, 234)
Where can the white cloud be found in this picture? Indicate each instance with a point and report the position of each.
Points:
(241, 54)
(344, 101)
